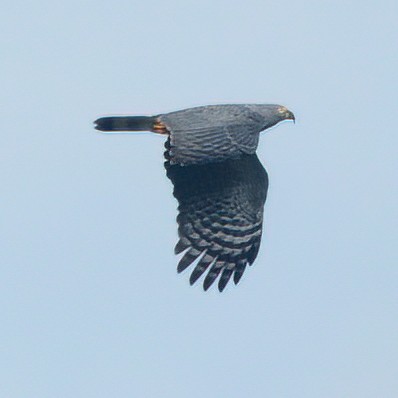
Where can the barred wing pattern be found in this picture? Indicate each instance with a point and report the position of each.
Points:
(213, 133)
(220, 216)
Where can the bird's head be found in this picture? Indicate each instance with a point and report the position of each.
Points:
(285, 113)
(272, 114)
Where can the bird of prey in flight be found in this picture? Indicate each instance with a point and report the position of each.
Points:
(207, 133)
(218, 181)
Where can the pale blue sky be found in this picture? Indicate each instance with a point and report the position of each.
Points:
(91, 303)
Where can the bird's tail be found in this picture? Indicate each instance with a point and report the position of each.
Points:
(125, 123)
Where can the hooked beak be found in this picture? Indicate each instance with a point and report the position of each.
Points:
(290, 115)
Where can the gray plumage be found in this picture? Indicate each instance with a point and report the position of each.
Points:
(220, 216)
(218, 181)
(207, 133)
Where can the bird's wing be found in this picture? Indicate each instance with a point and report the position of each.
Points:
(212, 133)
(220, 216)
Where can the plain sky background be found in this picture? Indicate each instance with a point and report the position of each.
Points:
(91, 304)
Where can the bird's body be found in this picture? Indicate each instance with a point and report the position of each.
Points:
(206, 133)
